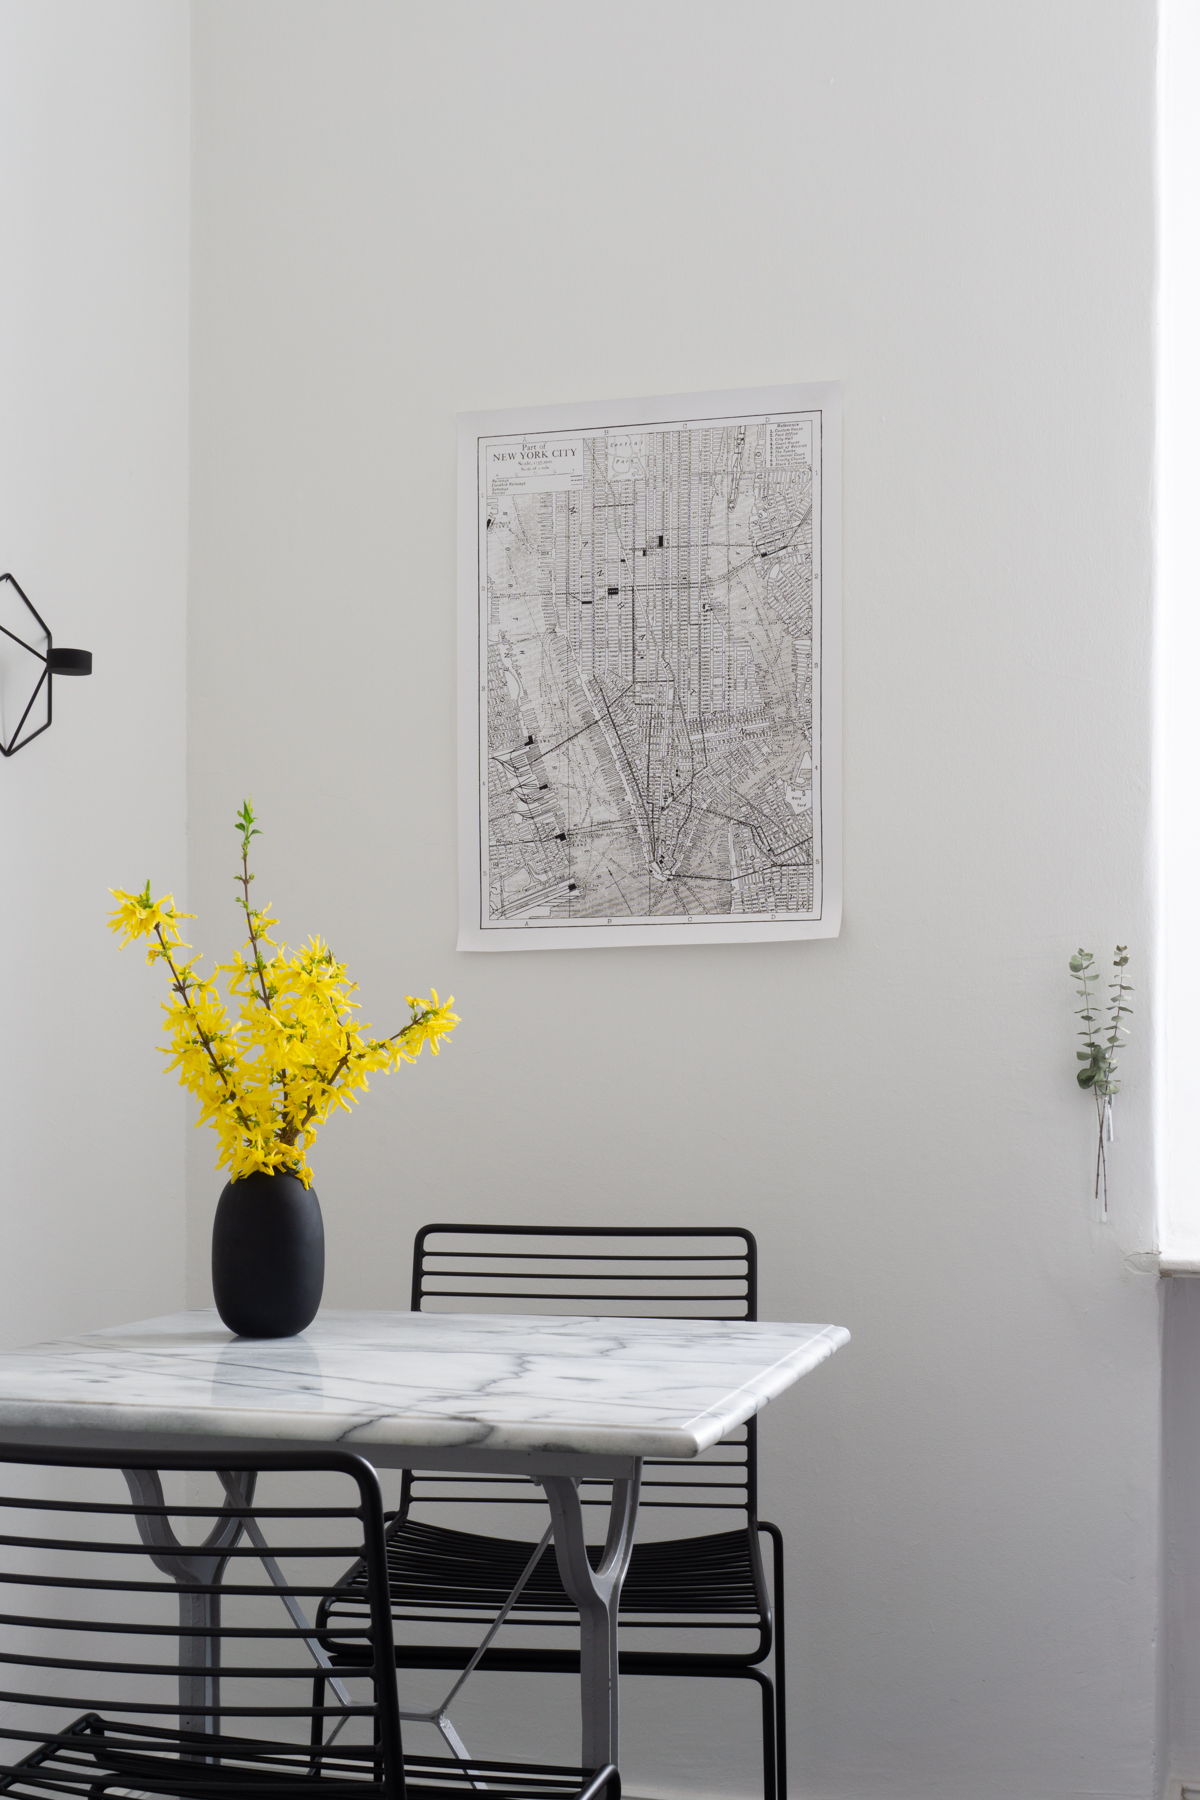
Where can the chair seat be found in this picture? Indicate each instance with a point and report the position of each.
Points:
(427, 1777)
(95, 1755)
(436, 1574)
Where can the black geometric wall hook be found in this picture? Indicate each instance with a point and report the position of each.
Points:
(27, 672)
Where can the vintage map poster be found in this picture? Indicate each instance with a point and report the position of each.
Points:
(649, 671)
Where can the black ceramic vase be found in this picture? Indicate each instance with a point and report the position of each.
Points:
(268, 1256)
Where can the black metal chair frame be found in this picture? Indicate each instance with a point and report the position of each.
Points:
(62, 1607)
(456, 1573)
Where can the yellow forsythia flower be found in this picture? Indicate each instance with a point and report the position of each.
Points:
(295, 1053)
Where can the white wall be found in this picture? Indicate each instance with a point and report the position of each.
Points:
(94, 155)
(1177, 772)
(402, 211)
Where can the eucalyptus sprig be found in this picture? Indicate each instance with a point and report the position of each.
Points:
(1102, 1040)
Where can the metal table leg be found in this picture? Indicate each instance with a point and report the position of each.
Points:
(199, 1612)
(597, 1594)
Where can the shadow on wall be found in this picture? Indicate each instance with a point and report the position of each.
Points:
(1181, 1504)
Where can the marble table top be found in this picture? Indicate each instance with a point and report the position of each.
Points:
(481, 1381)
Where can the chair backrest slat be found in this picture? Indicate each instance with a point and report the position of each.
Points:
(111, 1565)
(663, 1272)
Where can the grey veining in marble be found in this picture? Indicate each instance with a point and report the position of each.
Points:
(630, 1387)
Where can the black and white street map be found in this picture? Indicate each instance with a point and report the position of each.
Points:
(649, 671)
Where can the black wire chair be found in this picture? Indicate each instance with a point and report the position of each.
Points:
(709, 1582)
(130, 1668)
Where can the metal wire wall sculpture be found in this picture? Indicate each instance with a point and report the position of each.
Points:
(44, 665)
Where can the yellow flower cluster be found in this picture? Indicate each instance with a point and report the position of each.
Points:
(294, 1055)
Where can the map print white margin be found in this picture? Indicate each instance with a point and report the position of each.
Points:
(650, 671)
